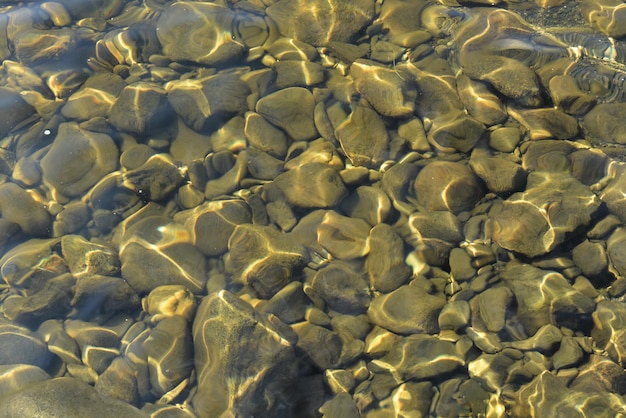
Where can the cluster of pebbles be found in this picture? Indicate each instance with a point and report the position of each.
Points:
(290, 208)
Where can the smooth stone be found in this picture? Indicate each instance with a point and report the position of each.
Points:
(189, 145)
(226, 332)
(95, 295)
(169, 349)
(14, 110)
(591, 258)
(545, 123)
(288, 304)
(368, 203)
(500, 174)
(77, 160)
(480, 101)
(88, 103)
(317, 151)
(289, 49)
(603, 123)
(199, 32)
(443, 185)
(609, 333)
(458, 132)
(490, 369)
(461, 265)
(141, 107)
(545, 297)
(203, 102)
(263, 135)
(343, 237)
(413, 397)
(19, 207)
(92, 334)
(356, 326)
(490, 306)
(230, 181)
(291, 73)
(35, 46)
(339, 380)
(613, 193)
(324, 347)
(617, 251)
(589, 166)
(212, 223)
(320, 22)
(525, 224)
(292, 110)
(545, 340)
(51, 300)
(155, 179)
(454, 315)
(413, 131)
(553, 397)
(17, 376)
(341, 288)
(167, 254)
(547, 155)
(313, 185)
(168, 301)
(510, 77)
(98, 358)
(64, 397)
(86, 258)
(390, 92)
(385, 262)
(18, 345)
(263, 166)
(119, 381)
(420, 357)
(263, 258)
(363, 137)
(341, 405)
(434, 234)
(568, 96)
(568, 355)
(505, 139)
(406, 310)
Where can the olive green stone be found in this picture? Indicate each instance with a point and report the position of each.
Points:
(385, 262)
(141, 107)
(342, 288)
(17, 376)
(313, 185)
(290, 109)
(14, 110)
(85, 258)
(78, 159)
(19, 207)
(155, 179)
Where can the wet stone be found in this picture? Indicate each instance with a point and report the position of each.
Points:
(290, 109)
(263, 258)
(18, 345)
(341, 405)
(389, 92)
(385, 263)
(66, 397)
(29, 264)
(238, 352)
(461, 267)
(443, 185)
(155, 180)
(320, 22)
(203, 101)
(263, 166)
(567, 95)
(140, 108)
(613, 193)
(420, 357)
(521, 219)
(156, 251)
(368, 203)
(17, 376)
(291, 73)
(454, 315)
(499, 174)
(591, 258)
(85, 258)
(342, 288)
(288, 304)
(343, 237)
(264, 136)
(77, 160)
(504, 139)
(546, 123)
(88, 103)
(490, 306)
(408, 309)
(617, 251)
(199, 32)
(14, 110)
(569, 353)
(313, 185)
(168, 301)
(169, 350)
(18, 207)
(434, 234)
(607, 16)
(212, 223)
(604, 123)
(480, 101)
(119, 382)
(95, 295)
(600, 375)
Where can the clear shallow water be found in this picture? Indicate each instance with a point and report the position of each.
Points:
(289, 208)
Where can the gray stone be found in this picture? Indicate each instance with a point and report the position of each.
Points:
(244, 363)
(64, 397)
